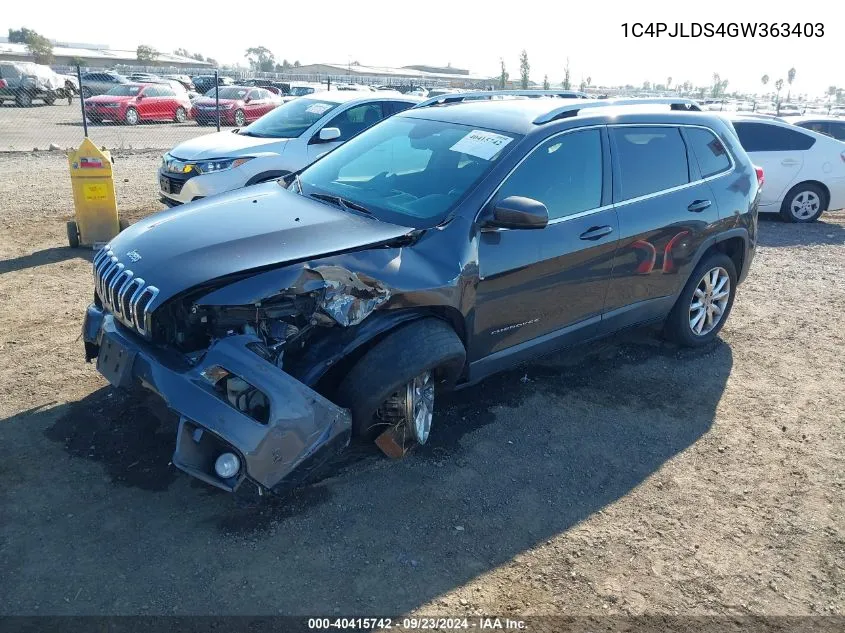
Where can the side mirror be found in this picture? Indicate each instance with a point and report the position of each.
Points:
(329, 134)
(516, 212)
(247, 99)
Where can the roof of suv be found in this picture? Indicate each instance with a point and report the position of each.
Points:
(523, 115)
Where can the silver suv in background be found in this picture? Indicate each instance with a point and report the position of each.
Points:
(99, 83)
(281, 142)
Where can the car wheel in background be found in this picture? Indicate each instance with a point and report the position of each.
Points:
(94, 119)
(705, 302)
(804, 203)
(86, 92)
(240, 118)
(72, 234)
(23, 99)
(50, 98)
(181, 116)
(131, 116)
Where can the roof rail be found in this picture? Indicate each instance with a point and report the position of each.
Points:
(572, 109)
(457, 97)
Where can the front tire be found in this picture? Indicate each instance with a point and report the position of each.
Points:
(240, 118)
(394, 380)
(131, 117)
(705, 302)
(804, 203)
(50, 98)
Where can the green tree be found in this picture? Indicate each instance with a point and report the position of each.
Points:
(296, 64)
(261, 59)
(545, 82)
(764, 79)
(146, 53)
(503, 75)
(567, 84)
(646, 86)
(790, 77)
(77, 61)
(524, 69)
(38, 46)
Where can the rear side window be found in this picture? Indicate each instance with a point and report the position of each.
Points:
(400, 106)
(564, 173)
(709, 151)
(837, 130)
(650, 159)
(816, 126)
(763, 137)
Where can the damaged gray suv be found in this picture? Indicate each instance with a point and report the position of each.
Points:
(444, 244)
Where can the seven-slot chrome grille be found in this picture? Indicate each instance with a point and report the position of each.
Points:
(123, 294)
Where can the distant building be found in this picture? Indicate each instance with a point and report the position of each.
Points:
(95, 56)
(424, 75)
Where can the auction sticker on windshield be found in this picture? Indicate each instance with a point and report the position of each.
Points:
(317, 108)
(481, 144)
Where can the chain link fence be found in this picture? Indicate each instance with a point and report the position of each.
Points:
(153, 108)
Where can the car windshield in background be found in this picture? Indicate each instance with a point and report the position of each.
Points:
(301, 91)
(228, 92)
(289, 120)
(408, 171)
(124, 91)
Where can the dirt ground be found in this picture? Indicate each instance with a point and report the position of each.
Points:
(631, 477)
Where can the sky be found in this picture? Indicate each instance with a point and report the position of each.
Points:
(475, 35)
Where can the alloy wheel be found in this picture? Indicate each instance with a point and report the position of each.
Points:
(240, 119)
(419, 406)
(805, 205)
(131, 116)
(709, 301)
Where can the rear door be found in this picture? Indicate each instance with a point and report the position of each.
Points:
(779, 150)
(537, 282)
(665, 210)
(167, 104)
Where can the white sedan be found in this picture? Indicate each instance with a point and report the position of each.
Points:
(804, 171)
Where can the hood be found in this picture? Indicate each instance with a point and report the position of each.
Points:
(223, 144)
(208, 101)
(109, 99)
(257, 227)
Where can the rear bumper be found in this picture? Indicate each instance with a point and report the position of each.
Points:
(836, 186)
(304, 429)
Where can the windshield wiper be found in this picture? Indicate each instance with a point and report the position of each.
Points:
(343, 203)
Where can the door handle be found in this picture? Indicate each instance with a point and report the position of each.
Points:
(596, 232)
(697, 206)
(789, 162)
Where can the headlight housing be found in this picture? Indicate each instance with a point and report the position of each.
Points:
(220, 164)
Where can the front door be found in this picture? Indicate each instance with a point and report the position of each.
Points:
(665, 209)
(547, 282)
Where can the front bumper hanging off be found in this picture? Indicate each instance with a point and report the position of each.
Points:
(303, 429)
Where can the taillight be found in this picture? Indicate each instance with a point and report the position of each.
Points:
(761, 179)
(3, 83)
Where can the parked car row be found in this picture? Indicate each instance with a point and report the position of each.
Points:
(433, 248)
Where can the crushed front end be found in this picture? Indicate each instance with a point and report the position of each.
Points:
(216, 356)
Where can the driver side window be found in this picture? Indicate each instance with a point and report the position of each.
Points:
(564, 173)
(356, 119)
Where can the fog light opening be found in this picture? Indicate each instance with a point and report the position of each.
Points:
(227, 465)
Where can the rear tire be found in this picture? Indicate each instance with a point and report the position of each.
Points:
(181, 116)
(23, 99)
(803, 203)
(697, 301)
(72, 234)
(386, 370)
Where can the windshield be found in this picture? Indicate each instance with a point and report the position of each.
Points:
(299, 91)
(125, 91)
(408, 171)
(290, 119)
(228, 92)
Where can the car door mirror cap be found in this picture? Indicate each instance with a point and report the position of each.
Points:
(329, 134)
(516, 212)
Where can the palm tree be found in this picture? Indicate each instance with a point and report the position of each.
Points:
(778, 86)
(790, 77)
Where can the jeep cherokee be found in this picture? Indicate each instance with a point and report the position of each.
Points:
(448, 242)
